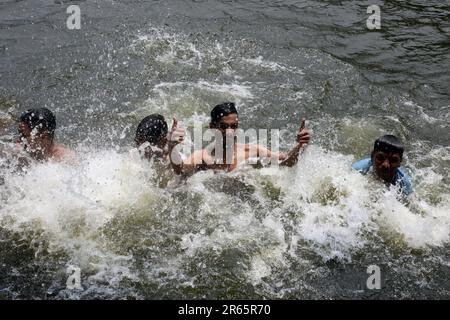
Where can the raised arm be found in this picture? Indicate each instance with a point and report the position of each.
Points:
(193, 162)
(174, 138)
(290, 158)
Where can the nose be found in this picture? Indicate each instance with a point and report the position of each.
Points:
(385, 164)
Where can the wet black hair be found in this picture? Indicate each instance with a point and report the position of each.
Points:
(389, 143)
(222, 110)
(152, 129)
(42, 119)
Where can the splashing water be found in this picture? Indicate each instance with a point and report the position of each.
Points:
(216, 235)
(305, 232)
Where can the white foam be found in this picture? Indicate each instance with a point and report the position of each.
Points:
(331, 210)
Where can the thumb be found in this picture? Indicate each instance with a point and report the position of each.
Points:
(174, 123)
(302, 124)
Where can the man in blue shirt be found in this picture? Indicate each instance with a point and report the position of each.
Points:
(385, 163)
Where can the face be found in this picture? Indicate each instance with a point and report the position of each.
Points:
(149, 151)
(34, 142)
(31, 137)
(385, 164)
(228, 124)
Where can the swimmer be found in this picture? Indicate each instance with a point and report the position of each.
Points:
(385, 163)
(153, 142)
(151, 137)
(37, 132)
(224, 118)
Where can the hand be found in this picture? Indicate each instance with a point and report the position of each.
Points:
(303, 135)
(176, 135)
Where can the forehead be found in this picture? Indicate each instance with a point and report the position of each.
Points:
(388, 154)
(231, 118)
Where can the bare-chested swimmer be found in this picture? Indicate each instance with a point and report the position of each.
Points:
(37, 132)
(224, 117)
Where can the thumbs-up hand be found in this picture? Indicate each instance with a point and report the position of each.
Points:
(176, 135)
(303, 135)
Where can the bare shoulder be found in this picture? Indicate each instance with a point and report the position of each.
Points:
(63, 153)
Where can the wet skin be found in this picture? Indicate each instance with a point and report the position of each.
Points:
(40, 145)
(234, 153)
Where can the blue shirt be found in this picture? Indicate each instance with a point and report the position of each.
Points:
(401, 179)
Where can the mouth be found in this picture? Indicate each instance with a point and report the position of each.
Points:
(384, 174)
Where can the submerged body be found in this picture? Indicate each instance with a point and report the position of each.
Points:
(401, 179)
(385, 163)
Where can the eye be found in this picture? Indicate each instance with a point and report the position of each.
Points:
(394, 160)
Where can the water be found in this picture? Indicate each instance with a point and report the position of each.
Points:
(305, 232)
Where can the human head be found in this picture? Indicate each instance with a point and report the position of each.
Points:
(153, 130)
(387, 156)
(224, 117)
(42, 121)
(37, 129)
